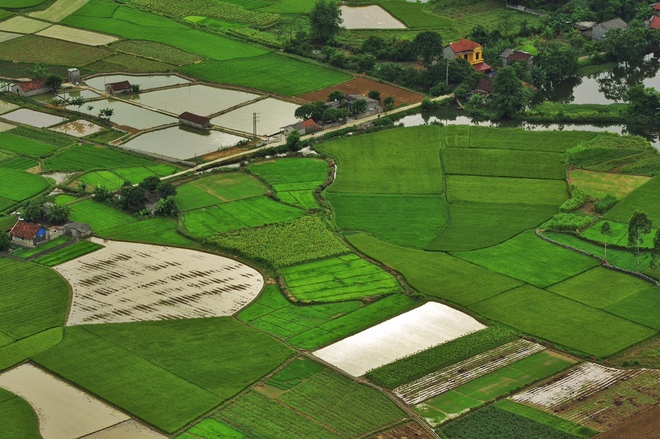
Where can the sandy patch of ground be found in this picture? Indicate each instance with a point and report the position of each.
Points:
(59, 10)
(78, 128)
(580, 382)
(417, 330)
(64, 412)
(6, 127)
(77, 35)
(363, 86)
(129, 282)
(33, 118)
(368, 17)
(460, 373)
(126, 430)
(22, 25)
(6, 36)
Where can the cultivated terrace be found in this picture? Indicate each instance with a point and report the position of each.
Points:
(378, 219)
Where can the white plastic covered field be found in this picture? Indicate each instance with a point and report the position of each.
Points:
(128, 282)
(64, 412)
(417, 330)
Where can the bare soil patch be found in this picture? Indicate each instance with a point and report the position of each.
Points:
(643, 426)
(411, 430)
(360, 85)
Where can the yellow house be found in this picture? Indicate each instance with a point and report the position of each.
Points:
(469, 50)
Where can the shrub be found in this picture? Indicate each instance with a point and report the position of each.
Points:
(577, 200)
(567, 222)
(605, 203)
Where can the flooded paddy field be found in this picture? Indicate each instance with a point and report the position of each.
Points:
(68, 94)
(422, 328)
(33, 118)
(128, 282)
(129, 115)
(6, 107)
(272, 115)
(181, 143)
(199, 99)
(368, 17)
(145, 82)
(78, 128)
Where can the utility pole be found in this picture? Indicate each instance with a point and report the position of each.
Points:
(254, 128)
(447, 74)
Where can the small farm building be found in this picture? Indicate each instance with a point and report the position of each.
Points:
(509, 56)
(372, 104)
(28, 234)
(484, 87)
(195, 121)
(31, 88)
(585, 27)
(601, 29)
(118, 88)
(304, 127)
(77, 230)
(654, 23)
(73, 76)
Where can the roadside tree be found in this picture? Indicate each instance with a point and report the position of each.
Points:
(606, 230)
(638, 226)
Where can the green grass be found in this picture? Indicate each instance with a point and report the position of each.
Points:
(641, 307)
(645, 198)
(563, 321)
(89, 158)
(294, 242)
(545, 418)
(158, 51)
(26, 252)
(218, 188)
(127, 364)
(123, 62)
(18, 4)
(102, 178)
(413, 14)
(65, 199)
(132, 24)
(18, 419)
(599, 287)
(599, 184)
(6, 222)
(423, 363)
(294, 179)
(24, 146)
(406, 220)
(467, 188)
(504, 163)
(67, 253)
(25, 348)
(531, 259)
(160, 231)
(516, 138)
(477, 225)
(19, 163)
(270, 72)
(497, 423)
(190, 197)
(211, 429)
(32, 298)
(402, 161)
(251, 212)
(43, 136)
(346, 277)
(299, 370)
(18, 185)
(436, 274)
(99, 216)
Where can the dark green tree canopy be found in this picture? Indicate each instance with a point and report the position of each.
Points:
(325, 20)
(428, 46)
(554, 63)
(509, 97)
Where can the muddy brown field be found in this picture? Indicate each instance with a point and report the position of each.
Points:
(646, 425)
(363, 86)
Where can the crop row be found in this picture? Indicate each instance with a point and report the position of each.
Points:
(67, 253)
(43, 136)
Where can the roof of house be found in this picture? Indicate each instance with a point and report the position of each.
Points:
(463, 45)
(481, 67)
(484, 85)
(584, 25)
(298, 126)
(655, 23)
(194, 118)
(518, 55)
(351, 98)
(35, 84)
(118, 86)
(80, 227)
(615, 23)
(308, 123)
(656, 7)
(25, 230)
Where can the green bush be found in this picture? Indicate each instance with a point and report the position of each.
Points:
(567, 222)
(605, 203)
(577, 200)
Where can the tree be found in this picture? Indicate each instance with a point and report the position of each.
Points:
(643, 104)
(388, 102)
(509, 97)
(150, 183)
(5, 240)
(606, 230)
(428, 46)
(58, 214)
(313, 110)
(101, 193)
(166, 189)
(167, 207)
(333, 115)
(292, 140)
(336, 95)
(106, 113)
(132, 198)
(54, 82)
(638, 226)
(655, 250)
(632, 43)
(554, 63)
(358, 106)
(39, 71)
(135, 88)
(324, 20)
(32, 210)
(374, 94)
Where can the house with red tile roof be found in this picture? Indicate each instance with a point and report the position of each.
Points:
(31, 88)
(655, 22)
(118, 88)
(469, 50)
(509, 56)
(484, 87)
(194, 121)
(28, 234)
